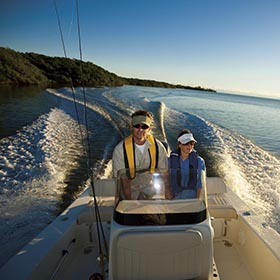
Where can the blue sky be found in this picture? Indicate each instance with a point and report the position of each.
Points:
(227, 45)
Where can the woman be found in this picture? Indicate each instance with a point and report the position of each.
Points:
(186, 167)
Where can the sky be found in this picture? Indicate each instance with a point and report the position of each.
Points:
(226, 45)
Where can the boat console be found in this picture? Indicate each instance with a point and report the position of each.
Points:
(153, 235)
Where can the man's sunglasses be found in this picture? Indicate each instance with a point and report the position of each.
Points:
(143, 126)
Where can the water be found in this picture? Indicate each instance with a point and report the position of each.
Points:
(43, 163)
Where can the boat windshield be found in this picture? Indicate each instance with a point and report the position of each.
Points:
(160, 197)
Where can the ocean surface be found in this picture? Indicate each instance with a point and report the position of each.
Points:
(44, 135)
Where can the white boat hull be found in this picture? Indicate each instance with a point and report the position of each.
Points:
(244, 248)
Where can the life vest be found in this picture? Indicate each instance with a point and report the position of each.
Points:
(176, 172)
(129, 154)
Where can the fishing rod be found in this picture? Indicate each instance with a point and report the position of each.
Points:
(71, 80)
(97, 212)
(87, 147)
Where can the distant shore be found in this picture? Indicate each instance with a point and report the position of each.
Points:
(27, 69)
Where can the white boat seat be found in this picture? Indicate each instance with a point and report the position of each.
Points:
(222, 211)
(150, 253)
(218, 205)
(215, 185)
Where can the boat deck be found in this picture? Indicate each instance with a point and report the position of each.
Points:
(229, 265)
(83, 261)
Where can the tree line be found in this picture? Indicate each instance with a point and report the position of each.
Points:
(23, 69)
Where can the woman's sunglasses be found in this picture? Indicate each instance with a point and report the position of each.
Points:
(189, 143)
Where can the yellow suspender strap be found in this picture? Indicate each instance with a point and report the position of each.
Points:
(153, 153)
(129, 156)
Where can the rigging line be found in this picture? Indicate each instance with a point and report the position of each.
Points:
(99, 221)
(72, 84)
(97, 213)
(98, 218)
(79, 30)
(60, 30)
(83, 88)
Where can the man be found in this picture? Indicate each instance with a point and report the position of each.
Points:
(140, 150)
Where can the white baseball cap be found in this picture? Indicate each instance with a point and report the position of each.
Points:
(186, 138)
